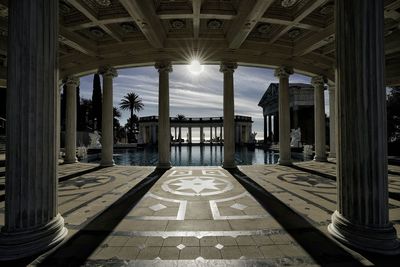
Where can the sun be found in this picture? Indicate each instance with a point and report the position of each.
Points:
(195, 67)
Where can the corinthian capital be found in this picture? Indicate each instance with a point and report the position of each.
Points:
(318, 81)
(71, 81)
(283, 72)
(108, 70)
(228, 67)
(164, 66)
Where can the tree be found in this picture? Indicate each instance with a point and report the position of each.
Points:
(131, 102)
(84, 115)
(393, 115)
(96, 101)
(180, 117)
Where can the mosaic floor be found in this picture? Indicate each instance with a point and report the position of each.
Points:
(204, 216)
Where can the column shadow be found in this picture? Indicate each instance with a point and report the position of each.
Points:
(76, 250)
(322, 174)
(321, 248)
(61, 178)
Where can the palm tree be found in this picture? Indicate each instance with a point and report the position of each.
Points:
(180, 117)
(131, 102)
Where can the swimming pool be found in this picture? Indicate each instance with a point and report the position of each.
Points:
(190, 156)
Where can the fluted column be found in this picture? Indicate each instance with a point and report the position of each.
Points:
(362, 218)
(107, 138)
(284, 115)
(32, 223)
(190, 135)
(229, 115)
(332, 122)
(164, 68)
(72, 83)
(319, 115)
(270, 133)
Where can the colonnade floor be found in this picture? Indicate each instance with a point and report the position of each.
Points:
(259, 215)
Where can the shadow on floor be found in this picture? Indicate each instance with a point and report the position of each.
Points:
(80, 173)
(325, 175)
(76, 250)
(61, 178)
(322, 249)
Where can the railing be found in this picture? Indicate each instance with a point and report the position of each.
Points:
(202, 119)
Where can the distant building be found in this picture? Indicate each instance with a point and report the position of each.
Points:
(301, 111)
(148, 129)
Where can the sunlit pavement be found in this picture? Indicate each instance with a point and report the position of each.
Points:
(259, 215)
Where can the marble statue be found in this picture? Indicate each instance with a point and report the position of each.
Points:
(253, 138)
(94, 140)
(295, 137)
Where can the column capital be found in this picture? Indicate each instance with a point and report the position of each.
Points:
(71, 81)
(318, 81)
(228, 67)
(163, 66)
(283, 71)
(108, 70)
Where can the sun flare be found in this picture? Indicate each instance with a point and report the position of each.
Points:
(195, 67)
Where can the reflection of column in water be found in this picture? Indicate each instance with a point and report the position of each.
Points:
(216, 162)
(220, 154)
(179, 155)
(189, 149)
(201, 155)
(211, 155)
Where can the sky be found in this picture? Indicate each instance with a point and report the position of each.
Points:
(196, 95)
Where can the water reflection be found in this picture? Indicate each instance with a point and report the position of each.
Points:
(194, 156)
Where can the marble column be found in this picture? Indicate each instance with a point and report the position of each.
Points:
(32, 223)
(164, 68)
(276, 127)
(362, 218)
(72, 83)
(107, 138)
(284, 115)
(265, 128)
(229, 115)
(332, 123)
(270, 127)
(319, 118)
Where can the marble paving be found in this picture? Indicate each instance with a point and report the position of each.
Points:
(203, 216)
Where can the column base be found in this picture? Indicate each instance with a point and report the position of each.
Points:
(320, 159)
(17, 245)
(229, 165)
(107, 163)
(332, 155)
(285, 162)
(166, 165)
(381, 240)
(70, 161)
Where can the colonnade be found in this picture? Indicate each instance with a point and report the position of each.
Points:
(32, 221)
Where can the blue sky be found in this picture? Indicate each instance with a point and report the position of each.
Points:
(195, 95)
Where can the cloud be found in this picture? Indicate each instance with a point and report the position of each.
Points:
(194, 96)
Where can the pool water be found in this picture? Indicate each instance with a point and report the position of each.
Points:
(191, 156)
